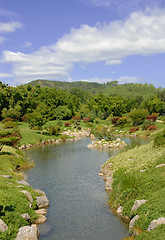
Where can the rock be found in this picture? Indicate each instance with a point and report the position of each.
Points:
(48, 141)
(41, 211)
(108, 183)
(142, 170)
(119, 211)
(132, 222)
(6, 176)
(25, 216)
(101, 174)
(41, 219)
(23, 182)
(92, 137)
(29, 145)
(39, 191)
(3, 226)
(28, 233)
(42, 201)
(22, 147)
(43, 142)
(137, 204)
(156, 223)
(28, 194)
(160, 165)
(52, 140)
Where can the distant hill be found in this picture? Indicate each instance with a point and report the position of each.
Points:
(128, 90)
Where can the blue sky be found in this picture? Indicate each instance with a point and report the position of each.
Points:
(87, 40)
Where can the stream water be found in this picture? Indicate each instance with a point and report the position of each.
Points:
(68, 174)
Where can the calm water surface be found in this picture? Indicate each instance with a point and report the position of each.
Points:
(78, 210)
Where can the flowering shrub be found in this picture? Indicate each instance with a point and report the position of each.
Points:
(87, 119)
(76, 118)
(114, 120)
(152, 128)
(67, 124)
(133, 129)
(153, 117)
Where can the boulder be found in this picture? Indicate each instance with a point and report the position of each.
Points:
(160, 165)
(42, 201)
(22, 147)
(132, 222)
(23, 182)
(43, 142)
(41, 219)
(39, 191)
(6, 176)
(28, 194)
(108, 183)
(119, 211)
(137, 204)
(25, 216)
(28, 233)
(3, 226)
(156, 223)
(41, 211)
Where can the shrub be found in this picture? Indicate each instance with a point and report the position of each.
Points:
(153, 117)
(67, 124)
(147, 124)
(12, 113)
(152, 128)
(114, 120)
(9, 140)
(138, 116)
(10, 125)
(159, 139)
(54, 130)
(7, 119)
(76, 118)
(24, 118)
(122, 121)
(86, 119)
(133, 129)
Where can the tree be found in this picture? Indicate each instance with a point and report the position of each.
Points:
(37, 119)
(138, 116)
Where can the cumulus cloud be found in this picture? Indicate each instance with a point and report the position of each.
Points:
(141, 33)
(10, 27)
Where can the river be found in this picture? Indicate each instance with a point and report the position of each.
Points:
(78, 210)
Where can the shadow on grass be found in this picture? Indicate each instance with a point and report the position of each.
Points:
(5, 153)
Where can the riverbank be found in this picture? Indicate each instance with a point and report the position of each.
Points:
(18, 201)
(136, 181)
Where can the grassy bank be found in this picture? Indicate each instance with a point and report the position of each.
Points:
(13, 203)
(137, 177)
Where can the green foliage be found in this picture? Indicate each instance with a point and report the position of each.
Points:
(10, 125)
(122, 121)
(63, 113)
(159, 139)
(146, 124)
(11, 113)
(54, 130)
(138, 116)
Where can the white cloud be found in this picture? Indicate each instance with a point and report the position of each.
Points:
(5, 75)
(7, 12)
(128, 79)
(141, 33)
(10, 27)
(125, 5)
(27, 44)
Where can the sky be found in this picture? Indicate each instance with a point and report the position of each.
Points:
(82, 40)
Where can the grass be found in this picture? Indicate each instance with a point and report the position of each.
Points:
(131, 184)
(14, 202)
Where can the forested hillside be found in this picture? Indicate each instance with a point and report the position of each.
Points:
(110, 88)
(81, 99)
